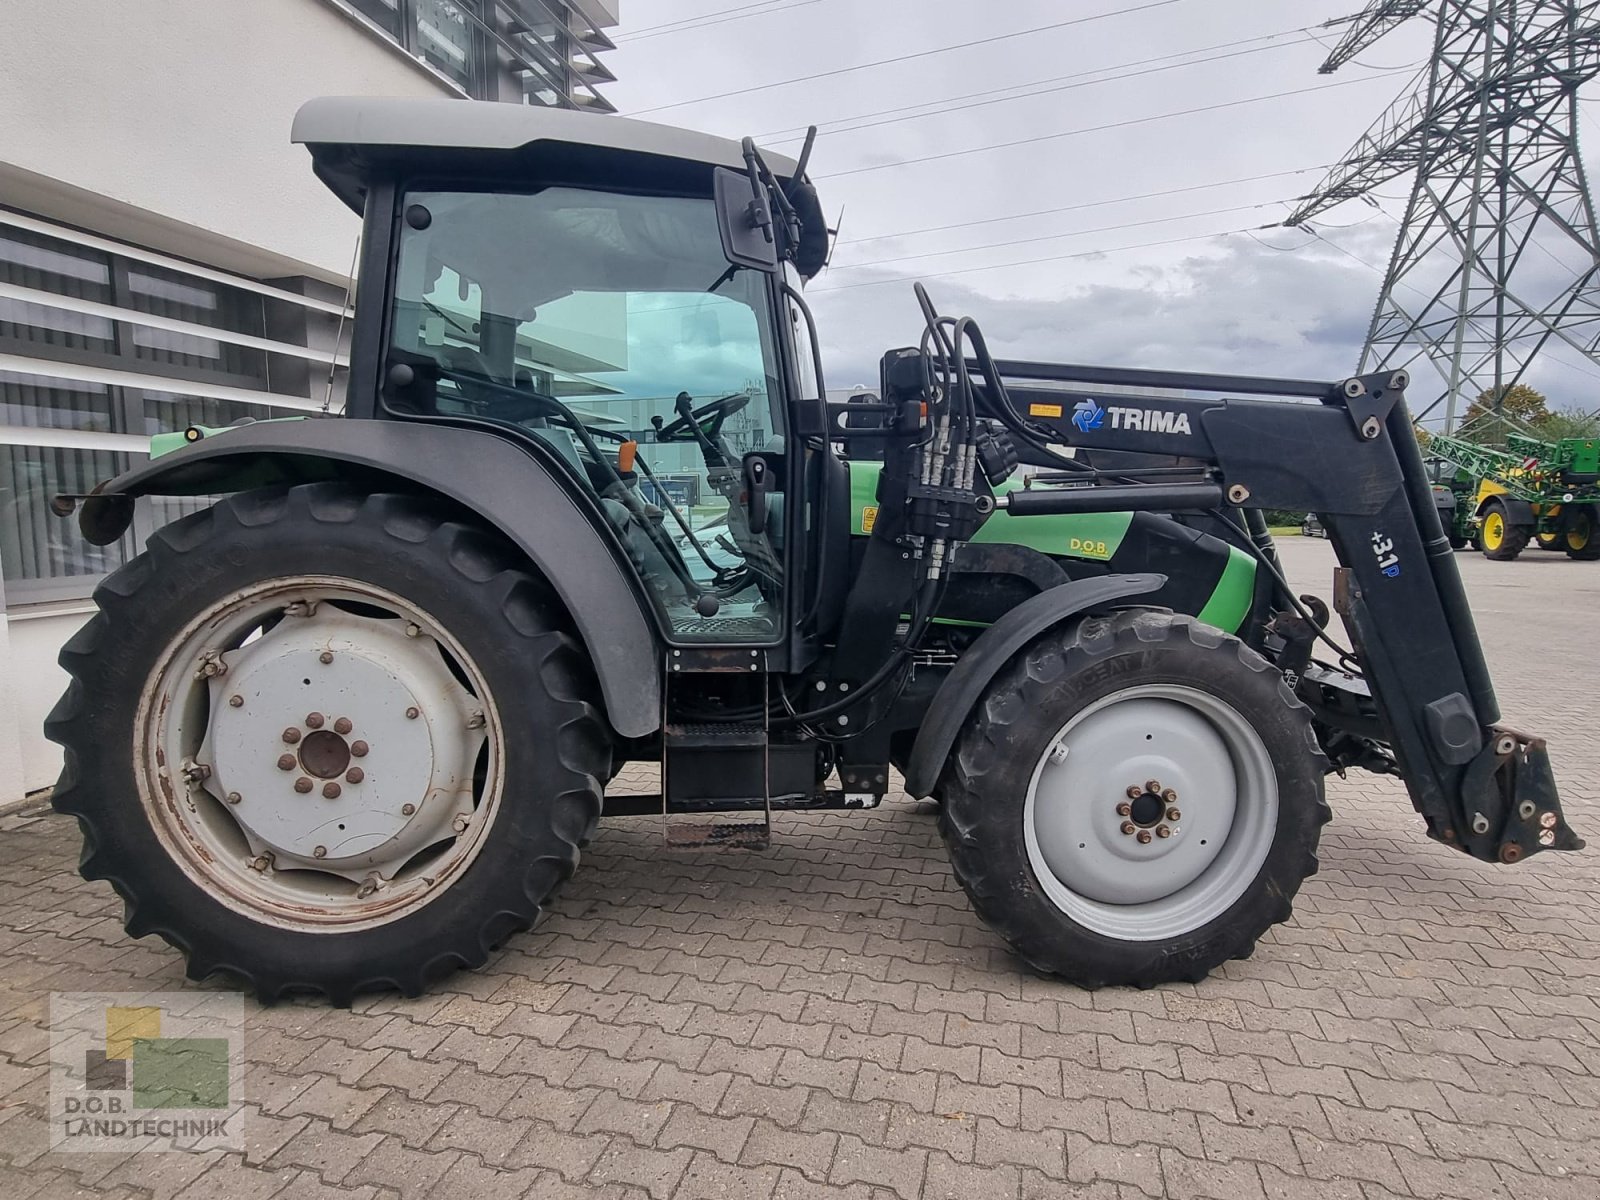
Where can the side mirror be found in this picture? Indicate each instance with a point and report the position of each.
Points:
(745, 222)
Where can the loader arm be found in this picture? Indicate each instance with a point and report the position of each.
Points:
(1346, 451)
(1412, 697)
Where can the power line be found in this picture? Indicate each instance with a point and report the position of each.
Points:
(1066, 83)
(1048, 137)
(901, 58)
(1050, 237)
(1046, 212)
(1028, 262)
(706, 20)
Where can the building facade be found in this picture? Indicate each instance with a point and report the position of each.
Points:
(167, 258)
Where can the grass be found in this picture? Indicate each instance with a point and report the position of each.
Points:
(1284, 530)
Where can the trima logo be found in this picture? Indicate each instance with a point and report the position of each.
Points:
(1089, 415)
(132, 1071)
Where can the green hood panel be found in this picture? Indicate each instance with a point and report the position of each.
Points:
(1076, 535)
(1216, 584)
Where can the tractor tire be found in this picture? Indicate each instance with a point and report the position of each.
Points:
(1580, 533)
(1552, 540)
(245, 644)
(1498, 537)
(1135, 801)
(1457, 542)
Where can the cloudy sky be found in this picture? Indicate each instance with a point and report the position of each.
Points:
(1091, 192)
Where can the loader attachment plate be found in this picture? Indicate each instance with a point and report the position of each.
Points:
(1509, 797)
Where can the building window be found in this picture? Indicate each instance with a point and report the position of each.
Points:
(101, 349)
(536, 51)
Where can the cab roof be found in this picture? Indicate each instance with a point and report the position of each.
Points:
(350, 136)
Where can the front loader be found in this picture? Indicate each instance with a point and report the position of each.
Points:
(587, 503)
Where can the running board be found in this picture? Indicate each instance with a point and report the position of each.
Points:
(652, 804)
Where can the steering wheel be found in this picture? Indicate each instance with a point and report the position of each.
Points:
(708, 418)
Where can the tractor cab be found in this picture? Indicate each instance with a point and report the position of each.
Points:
(593, 304)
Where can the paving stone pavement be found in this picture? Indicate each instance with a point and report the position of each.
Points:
(828, 1019)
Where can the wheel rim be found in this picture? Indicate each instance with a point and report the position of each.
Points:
(1578, 534)
(1148, 759)
(1494, 531)
(319, 754)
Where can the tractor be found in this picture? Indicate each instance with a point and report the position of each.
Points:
(349, 725)
(1534, 490)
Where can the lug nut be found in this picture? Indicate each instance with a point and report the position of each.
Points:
(286, 762)
(407, 809)
(325, 657)
(320, 852)
(354, 775)
(302, 785)
(236, 701)
(1174, 814)
(1163, 831)
(1169, 796)
(1127, 827)
(413, 713)
(1144, 837)
(1152, 785)
(291, 735)
(342, 725)
(1135, 791)
(359, 749)
(1124, 809)
(234, 797)
(314, 720)
(330, 791)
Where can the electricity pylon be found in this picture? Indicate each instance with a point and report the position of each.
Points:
(1498, 252)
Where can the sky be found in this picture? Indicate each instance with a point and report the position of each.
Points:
(1079, 125)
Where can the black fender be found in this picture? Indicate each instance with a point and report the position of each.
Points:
(502, 481)
(967, 681)
(1518, 512)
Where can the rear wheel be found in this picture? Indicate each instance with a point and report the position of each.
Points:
(1550, 539)
(329, 742)
(1580, 535)
(1136, 800)
(1498, 537)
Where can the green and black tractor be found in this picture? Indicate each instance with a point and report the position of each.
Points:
(348, 726)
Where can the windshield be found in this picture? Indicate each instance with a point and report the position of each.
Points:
(612, 328)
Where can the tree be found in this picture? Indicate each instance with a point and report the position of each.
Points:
(1521, 406)
(1564, 423)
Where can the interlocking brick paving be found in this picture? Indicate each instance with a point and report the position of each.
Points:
(828, 1019)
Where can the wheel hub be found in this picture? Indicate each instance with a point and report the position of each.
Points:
(324, 754)
(342, 741)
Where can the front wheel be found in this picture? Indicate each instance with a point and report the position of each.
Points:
(1136, 800)
(1498, 537)
(324, 741)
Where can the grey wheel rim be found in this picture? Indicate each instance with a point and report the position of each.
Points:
(1151, 812)
(319, 754)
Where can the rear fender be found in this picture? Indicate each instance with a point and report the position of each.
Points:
(510, 486)
(970, 678)
(1518, 512)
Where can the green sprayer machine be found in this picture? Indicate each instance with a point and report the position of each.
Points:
(1534, 490)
